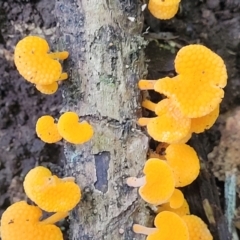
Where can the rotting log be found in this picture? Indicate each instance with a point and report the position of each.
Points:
(106, 60)
(203, 195)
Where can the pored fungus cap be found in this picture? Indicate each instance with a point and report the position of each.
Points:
(47, 130)
(49, 192)
(170, 226)
(183, 210)
(21, 222)
(163, 9)
(47, 89)
(34, 63)
(184, 163)
(197, 89)
(73, 131)
(200, 124)
(198, 230)
(160, 182)
(177, 199)
(170, 125)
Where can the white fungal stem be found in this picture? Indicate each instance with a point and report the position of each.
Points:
(136, 182)
(58, 216)
(59, 55)
(143, 230)
(63, 76)
(143, 121)
(69, 179)
(149, 105)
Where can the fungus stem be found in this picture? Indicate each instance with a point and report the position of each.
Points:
(56, 217)
(63, 76)
(143, 230)
(59, 55)
(149, 105)
(69, 179)
(143, 121)
(146, 84)
(136, 182)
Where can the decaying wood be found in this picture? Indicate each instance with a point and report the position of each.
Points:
(203, 196)
(106, 61)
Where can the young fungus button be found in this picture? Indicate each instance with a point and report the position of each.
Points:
(21, 221)
(184, 163)
(36, 64)
(47, 130)
(157, 186)
(50, 193)
(73, 131)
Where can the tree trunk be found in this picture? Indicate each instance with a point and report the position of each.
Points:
(105, 63)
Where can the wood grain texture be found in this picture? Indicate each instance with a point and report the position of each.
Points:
(106, 60)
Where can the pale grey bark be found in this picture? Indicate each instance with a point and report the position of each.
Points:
(106, 60)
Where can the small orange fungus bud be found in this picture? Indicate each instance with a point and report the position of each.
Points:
(21, 221)
(177, 199)
(184, 162)
(165, 223)
(197, 228)
(158, 184)
(73, 131)
(47, 130)
(49, 192)
(36, 64)
(47, 89)
(163, 9)
(183, 210)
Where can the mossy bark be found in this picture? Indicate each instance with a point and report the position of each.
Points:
(106, 60)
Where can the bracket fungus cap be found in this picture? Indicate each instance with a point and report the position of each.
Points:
(163, 9)
(35, 63)
(197, 89)
(158, 184)
(73, 131)
(184, 163)
(170, 125)
(49, 192)
(47, 130)
(20, 221)
(165, 222)
(198, 230)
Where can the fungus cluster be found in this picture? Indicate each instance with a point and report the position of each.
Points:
(68, 128)
(51, 194)
(193, 96)
(191, 106)
(186, 227)
(37, 65)
(180, 169)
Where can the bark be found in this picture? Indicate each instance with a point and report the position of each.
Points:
(105, 63)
